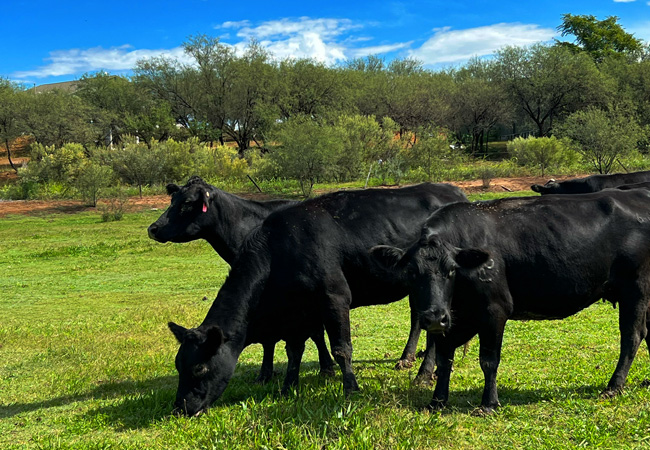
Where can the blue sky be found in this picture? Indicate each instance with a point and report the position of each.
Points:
(50, 41)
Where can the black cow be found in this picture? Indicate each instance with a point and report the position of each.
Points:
(478, 265)
(593, 183)
(303, 269)
(199, 210)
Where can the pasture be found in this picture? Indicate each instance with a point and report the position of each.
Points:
(87, 361)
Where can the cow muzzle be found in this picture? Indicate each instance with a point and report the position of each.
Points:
(435, 320)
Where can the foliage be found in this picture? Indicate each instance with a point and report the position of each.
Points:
(547, 82)
(91, 180)
(53, 164)
(308, 151)
(544, 152)
(599, 38)
(602, 137)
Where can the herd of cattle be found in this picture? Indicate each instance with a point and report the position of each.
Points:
(297, 268)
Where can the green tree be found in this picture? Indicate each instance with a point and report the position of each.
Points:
(10, 113)
(307, 151)
(58, 117)
(601, 137)
(548, 82)
(599, 38)
(478, 102)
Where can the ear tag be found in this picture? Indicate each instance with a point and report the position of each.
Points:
(205, 207)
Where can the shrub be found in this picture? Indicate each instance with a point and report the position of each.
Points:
(57, 164)
(91, 179)
(542, 152)
(115, 202)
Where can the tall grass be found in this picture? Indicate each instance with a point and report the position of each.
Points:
(86, 361)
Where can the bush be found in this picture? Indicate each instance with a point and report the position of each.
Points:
(113, 209)
(309, 152)
(91, 179)
(542, 152)
(53, 164)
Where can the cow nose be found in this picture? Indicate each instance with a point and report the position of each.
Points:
(435, 320)
(153, 229)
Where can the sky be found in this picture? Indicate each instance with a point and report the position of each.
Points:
(51, 41)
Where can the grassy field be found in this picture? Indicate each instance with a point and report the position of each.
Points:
(86, 361)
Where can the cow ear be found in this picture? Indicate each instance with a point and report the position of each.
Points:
(214, 338)
(178, 331)
(205, 195)
(387, 256)
(172, 188)
(471, 258)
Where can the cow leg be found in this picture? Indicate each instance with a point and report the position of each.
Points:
(295, 350)
(425, 374)
(408, 355)
(632, 325)
(324, 358)
(266, 371)
(336, 317)
(444, 353)
(491, 340)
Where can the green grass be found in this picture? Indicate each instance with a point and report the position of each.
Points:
(87, 361)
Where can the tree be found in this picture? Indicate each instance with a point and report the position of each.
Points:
(10, 105)
(57, 117)
(122, 107)
(307, 151)
(599, 38)
(478, 102)
(602, 137)
(548, 82)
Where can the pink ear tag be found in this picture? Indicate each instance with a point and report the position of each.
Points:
(205, 207)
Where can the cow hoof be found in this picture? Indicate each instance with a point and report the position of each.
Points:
(436, 405)
(327, 372)
(404, 364)
(483, 411)
(610, 393)
(645, 383)
(426, 379)
(263, 378)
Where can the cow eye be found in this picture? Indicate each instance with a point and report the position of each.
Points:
(452, 272)
(200, 370)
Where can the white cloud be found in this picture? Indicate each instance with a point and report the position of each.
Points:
(449, 46)
(320, 39)
(77, 61)
(624, 1)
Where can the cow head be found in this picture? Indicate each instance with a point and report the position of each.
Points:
(185, 217)
(551, 187)
(429, 269)
(205, 363)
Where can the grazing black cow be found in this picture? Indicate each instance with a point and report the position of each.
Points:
(478, 265)
(199, 210)
(593, 183)
(303, 269)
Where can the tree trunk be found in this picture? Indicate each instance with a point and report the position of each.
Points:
(11, 163)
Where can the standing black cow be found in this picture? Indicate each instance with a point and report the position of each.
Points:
(478, 265)
(198, 210)
(303, 269)
(593, 183)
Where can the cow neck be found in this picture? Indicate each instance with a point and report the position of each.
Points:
(233, 219)
(241, 292)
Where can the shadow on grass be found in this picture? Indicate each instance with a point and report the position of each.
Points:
(103, 391)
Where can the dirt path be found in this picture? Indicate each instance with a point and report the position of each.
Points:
(38, 207)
